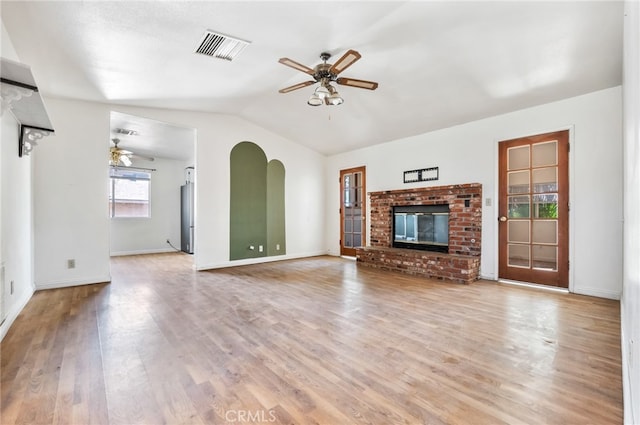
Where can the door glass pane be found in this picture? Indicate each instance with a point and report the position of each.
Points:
(518, 231)
(519, 206)
(357, 212)
(518, 158)
(347, 180)
(518, 181)
(356, 179)
(357, 239)
(545, 206)
(545, 231)
(545, 153)
(545, 257)
(348, 240)
(349, 196)
(519, 255)
(357, 224)
(545, 179)
(348, 225)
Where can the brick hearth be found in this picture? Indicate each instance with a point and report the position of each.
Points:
(461, 263)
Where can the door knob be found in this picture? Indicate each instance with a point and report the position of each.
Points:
(502, 218)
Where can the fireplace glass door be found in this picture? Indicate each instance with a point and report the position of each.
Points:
(423, 227)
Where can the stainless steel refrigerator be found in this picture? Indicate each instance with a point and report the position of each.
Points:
(186, 218)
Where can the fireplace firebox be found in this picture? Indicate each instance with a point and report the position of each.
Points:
(424, 227)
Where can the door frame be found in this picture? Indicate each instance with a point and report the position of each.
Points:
(493, 214)
(364, 202)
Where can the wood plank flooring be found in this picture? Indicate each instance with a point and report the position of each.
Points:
(311, 341)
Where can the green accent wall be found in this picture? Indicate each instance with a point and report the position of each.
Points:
(275, 208)
(257, 212)
(248, 220)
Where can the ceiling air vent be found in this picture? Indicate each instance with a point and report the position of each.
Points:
(125, 131)
(220, 46)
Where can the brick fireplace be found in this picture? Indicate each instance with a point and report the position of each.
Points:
(462, 261)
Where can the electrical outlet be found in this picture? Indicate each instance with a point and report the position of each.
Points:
(277, 247)
(71, 263)
(11, 288)
(168, 242)
(251, 248)
(260, 249)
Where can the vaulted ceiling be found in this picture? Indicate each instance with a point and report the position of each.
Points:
(438, 63)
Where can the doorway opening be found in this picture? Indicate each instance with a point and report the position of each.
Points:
(149, 164)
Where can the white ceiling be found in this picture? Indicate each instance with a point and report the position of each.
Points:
(438, 63)
(151, 138)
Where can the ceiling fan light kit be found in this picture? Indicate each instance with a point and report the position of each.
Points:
(315, 100)
(322, 91)
(334, 97)
(325, 74)
(326, 94)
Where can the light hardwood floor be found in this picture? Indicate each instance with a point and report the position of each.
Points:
(311, 341)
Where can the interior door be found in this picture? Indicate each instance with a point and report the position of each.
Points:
(534, 209)
(352, 210)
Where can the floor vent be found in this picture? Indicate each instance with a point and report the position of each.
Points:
(220, 46)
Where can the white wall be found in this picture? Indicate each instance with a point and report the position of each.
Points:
(16, 214)
(71, 183)
(468, 154)
(630, 303)
(149, 235)
(71, 190)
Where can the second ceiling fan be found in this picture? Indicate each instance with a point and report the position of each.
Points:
(122, 156)
(325, 74)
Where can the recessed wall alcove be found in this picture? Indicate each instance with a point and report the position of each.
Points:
(460, 263)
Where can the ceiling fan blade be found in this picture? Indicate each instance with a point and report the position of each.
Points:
(146, 158)
(362, 84)
(296, 87)
(344, 62)
(126, 160)
(295, 65)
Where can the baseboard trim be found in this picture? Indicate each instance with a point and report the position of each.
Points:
(54, 284)
(12, 315)
(627, 395)
(143, 251)
(249, 261)
(595, 292)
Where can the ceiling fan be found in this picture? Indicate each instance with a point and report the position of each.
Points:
(325, 74)
(119, 156)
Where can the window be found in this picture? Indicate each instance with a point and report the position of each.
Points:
(129, 193)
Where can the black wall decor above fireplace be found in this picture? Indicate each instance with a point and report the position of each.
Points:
(422, 175)
(423, 227)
